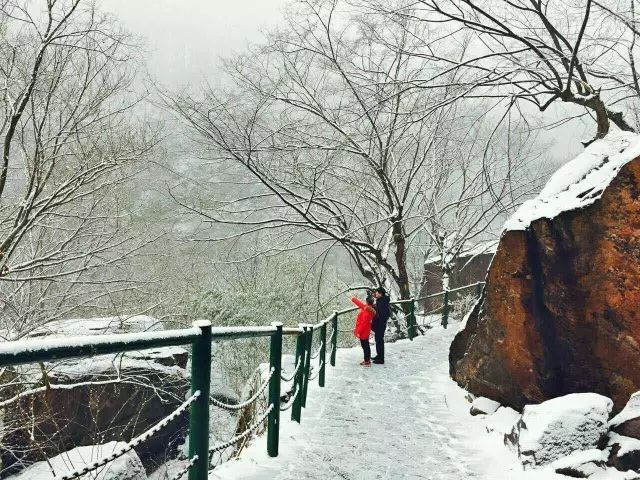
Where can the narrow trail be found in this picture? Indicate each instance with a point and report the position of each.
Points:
(402, 420)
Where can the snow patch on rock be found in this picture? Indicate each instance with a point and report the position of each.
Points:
(502, 421)
(483, 406)
(580, 182)
(98, 326)
(127, 467)
(630, 411)
(558, 427)
(582, 463)
(627, 444)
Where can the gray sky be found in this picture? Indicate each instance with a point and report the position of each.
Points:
(185, 37)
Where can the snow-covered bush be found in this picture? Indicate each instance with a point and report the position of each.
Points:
(462, 304)
(265, 290)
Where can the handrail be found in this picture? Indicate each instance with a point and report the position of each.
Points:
(200, 336)
(347, 310)
(37, 350)
(45, 349)
(452, 290)
(292, 331)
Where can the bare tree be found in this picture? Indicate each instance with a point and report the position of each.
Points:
(541, 52)
(68, 144)
(326, 141)
(491, 171)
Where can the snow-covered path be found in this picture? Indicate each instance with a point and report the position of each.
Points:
(402, 420)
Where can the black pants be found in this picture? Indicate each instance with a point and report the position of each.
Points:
(366, 348)
(379, 345)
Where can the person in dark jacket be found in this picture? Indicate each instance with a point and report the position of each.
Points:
(379, 323)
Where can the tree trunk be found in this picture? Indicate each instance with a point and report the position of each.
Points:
(604, 116)
(401, 261)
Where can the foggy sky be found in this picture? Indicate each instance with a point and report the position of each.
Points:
(184, 38)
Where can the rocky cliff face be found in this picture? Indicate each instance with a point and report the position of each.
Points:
(559, 312)
(96, 400)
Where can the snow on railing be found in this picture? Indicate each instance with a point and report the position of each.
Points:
(293, 375)
(120, 341)
(292, 399)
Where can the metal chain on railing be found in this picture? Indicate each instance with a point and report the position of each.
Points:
(244, 434)
(317, 372)
(134, 442)
(315, 355)
(186, 468)
(293, 375)
(292, 399)
(246, 403)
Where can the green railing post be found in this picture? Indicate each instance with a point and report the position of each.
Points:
(411, 320)
(297, 383)
(334, 338)
(308, 332)
(199, 418)
(478, 290)
(445, 309)
(323, 354)
(275, 366)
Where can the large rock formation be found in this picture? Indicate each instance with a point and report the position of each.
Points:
(97, 400)
(559, 312)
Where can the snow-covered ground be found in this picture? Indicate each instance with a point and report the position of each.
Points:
(402, 420)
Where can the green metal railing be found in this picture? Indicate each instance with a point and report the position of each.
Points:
(200, 337)
(445, 308)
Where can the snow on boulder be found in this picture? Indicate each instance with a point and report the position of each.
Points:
(627, 422)
(502, 421)
(625, 452)
(98, 326)
(558, 313)
(582, 463)
(483, 406)
(127, 467)
(557, 428)
(580, 182)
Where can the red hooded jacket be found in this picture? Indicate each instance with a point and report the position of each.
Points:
(363, 321)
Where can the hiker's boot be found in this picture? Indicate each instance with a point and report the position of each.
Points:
(377, 361)
(365, 363)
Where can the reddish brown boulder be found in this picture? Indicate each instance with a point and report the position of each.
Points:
(560, 310)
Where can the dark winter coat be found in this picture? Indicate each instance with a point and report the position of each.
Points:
(383, 312)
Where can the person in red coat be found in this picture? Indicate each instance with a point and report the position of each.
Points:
(362, 329)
